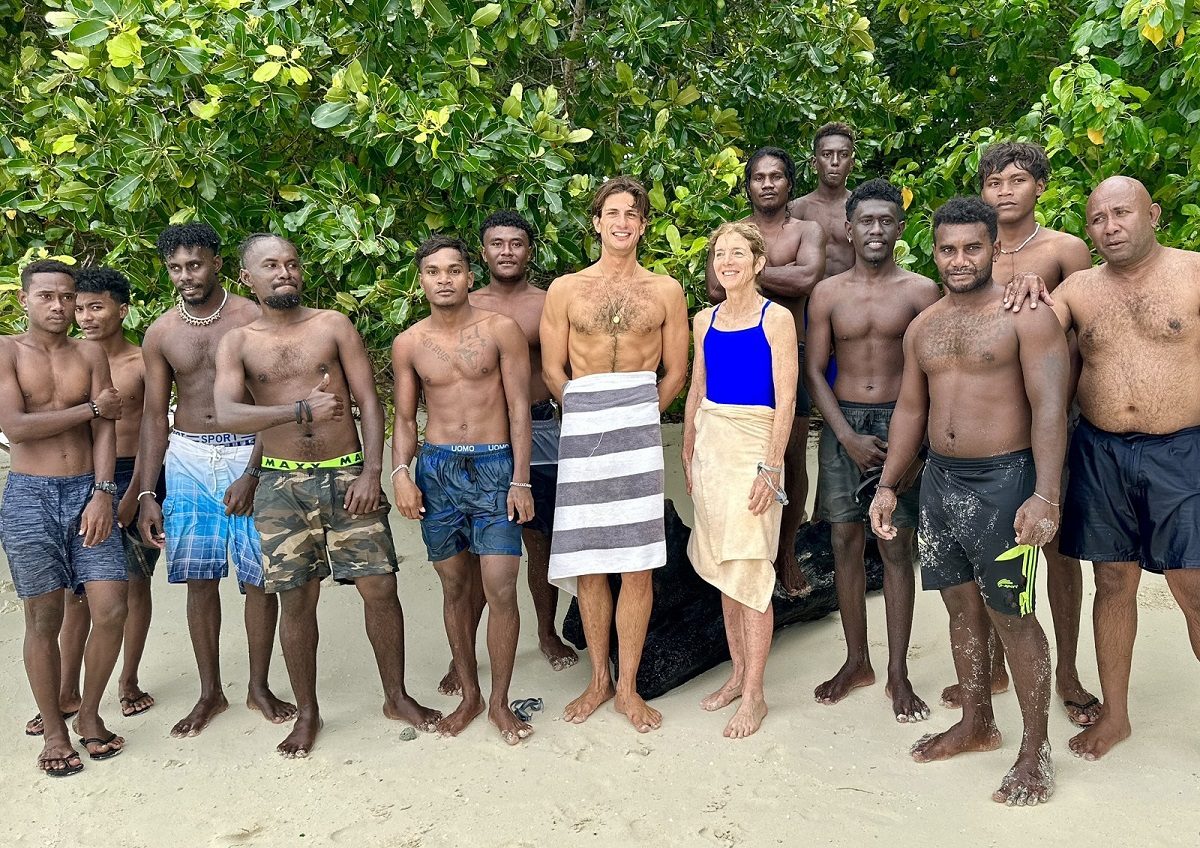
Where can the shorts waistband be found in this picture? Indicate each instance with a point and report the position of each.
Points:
(271, 463)
(1136, 436)
(980, 463)
(853, 404)
(48, 480)
(467, 450)
(125, 463)
(224, 440)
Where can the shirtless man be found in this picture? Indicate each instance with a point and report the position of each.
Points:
(795, 262)
(862, 314)
(320, 504)
(507, 251)
(58, 515)
(1133, 497)
(990, 389)
(613, 324)
(211, 474)
(1012, 177)
(472, 490)
(833, 160)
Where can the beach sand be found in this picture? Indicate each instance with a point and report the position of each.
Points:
(814, 775)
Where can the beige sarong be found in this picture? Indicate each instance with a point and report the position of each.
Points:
(732, 548)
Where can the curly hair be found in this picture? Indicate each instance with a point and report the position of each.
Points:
(195, 234)
(966, 210)
(876, 189)
(44, 266)
(834, 128)
(101, 280)
(506, 218)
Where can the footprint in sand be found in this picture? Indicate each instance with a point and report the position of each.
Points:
(239, 837)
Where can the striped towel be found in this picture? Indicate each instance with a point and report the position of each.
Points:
(608, 516)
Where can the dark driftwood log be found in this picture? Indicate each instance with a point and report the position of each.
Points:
(687, 631)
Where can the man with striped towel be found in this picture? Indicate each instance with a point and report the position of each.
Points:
(609, 328)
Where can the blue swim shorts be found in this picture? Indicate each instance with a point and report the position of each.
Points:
(201, 538)
(465, 490)
(39, 529)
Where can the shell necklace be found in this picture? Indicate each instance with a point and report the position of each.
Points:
(1037, 229)
(189, 318)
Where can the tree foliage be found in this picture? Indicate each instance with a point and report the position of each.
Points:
(358, 128)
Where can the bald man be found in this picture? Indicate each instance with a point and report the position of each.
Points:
(1133, 500)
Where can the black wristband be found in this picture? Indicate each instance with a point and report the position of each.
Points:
(299, 414)
(95, 409)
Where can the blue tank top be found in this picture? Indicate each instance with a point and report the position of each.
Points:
(737, 365)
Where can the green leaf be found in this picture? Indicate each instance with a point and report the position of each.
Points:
(61, 20)
(329, 115)
(439, 14)
(267, 71)
(62, 144)
(625, 75)
(578, 135)
(511, 107)
(354, 78)
(688, 96)
(276, 5)
(485, 16)
(658, 197)
(88, 33)
(276, 51)
(124, 49)
(205, 111)
(122, 189)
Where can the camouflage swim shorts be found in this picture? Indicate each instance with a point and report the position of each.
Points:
(304, 529)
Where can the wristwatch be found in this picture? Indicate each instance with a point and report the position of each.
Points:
(106, 486)
(254, 472)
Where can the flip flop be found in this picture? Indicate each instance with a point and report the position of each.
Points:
(96, 740)
(42, 732)
(67, 769)
(129, 702)
(1083, 708)
(523, 707)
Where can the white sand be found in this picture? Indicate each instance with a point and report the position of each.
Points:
(814, 775)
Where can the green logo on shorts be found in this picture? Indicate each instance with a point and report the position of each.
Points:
(1005, 583)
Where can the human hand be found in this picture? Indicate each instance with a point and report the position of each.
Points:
(362, 496)
(109, 403)
(150, 523)
(686, 456)
(909, 476)
(239, 496)
(866, 451)
(324, 405)
(409, 500)
(761, 493)
(882, 507)
(1036, 522)
(127, 508)
(520, 504)
(96, 522)
(1026, 287)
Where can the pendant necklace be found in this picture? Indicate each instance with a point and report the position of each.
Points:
(189, 318)
(1037, 229)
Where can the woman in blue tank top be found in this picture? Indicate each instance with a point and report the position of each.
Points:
(737, 423)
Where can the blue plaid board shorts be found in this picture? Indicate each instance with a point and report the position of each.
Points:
(201, 538)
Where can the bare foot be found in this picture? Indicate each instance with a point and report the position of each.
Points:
(795, 584)
(643, 716)
(406, 709)
(300, 741)
(205, 710)
(952, 695)
(457, 721)
(558, 653)
(273, 709)
(723, 697)
(577, 711)
(1083, 708)
(1099, 739)
(512, 729)
(959, 739)
(849, 677)
(59, 759)
(747, 720)
(905, 703)
(450, 684)
(1029, 782)
(134, 700)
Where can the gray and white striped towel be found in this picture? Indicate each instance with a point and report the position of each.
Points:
(608, 516)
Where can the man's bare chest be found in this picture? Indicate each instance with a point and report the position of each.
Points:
(862, 317)
(965, 342)
(1116, 321)
(281, 361)
(53, 382)
(443, 359)
(615, 309)
(192, 351)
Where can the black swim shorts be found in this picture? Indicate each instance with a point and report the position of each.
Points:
(966, 527)
(804, 401)
(1133, 497)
